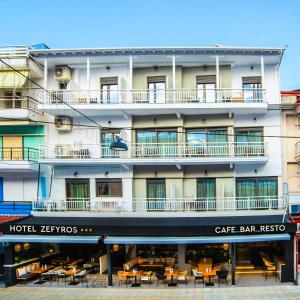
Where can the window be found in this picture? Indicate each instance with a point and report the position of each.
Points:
(206, 88)
(206, 194)
(63, 85)
(156, 143)
(109, 89)
(252, 88)
(107, 137)
(157, 89)
(256, 192)
(78, 193)
(109, 188)
(211, 142)
(249, 142)
(13, 99)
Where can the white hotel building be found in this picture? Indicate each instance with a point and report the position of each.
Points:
(198, 123)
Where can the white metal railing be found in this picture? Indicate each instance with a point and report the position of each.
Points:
(161, 204)
(13, 51)
(154, 150)
(25, 102)
(153, 96)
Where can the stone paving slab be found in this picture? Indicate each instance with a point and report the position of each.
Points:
(279, 292)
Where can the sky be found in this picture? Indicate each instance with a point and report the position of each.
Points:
(121, 23)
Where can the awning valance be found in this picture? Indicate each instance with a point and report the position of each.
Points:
(12, 79)
(49, 239)
(196, 240)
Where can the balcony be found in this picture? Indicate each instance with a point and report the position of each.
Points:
(160, 154)
(167, 205)
(16, 159)
(23, 107)
(139, 102)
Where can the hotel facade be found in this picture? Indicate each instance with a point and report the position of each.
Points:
(203, 172)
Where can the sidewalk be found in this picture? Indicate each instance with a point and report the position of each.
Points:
(279, 292)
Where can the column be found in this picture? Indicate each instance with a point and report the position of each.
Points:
(130, 83)
(9, 272)
(287, 272)
(217, 73)
(173, 78)
(233, 262)
(181, 257)
(109, 270)
(88, 67)
(45, 78)
(262, 72)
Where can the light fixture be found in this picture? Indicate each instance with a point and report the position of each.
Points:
(116, 248)
(106, 173)
(26, 246)
(17, 248)
(107, 68)
(118, 145)
(225, 247)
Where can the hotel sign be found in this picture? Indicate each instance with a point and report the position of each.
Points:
(48, 229)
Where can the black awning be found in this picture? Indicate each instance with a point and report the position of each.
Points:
(151, 226)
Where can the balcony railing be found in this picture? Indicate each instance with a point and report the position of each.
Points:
(24, 102)
(154, 96)
(13, 51)
(154, 150)
(19, 153)
(160, 205)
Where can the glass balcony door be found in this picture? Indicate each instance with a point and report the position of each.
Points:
(78, 193)
(156, 194)
(157, 92)
(106, 139)
(249, 142)
(256, 192)
(206, 92)
(206, 194)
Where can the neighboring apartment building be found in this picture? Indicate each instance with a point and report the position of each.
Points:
(21, 132)
(200, 167)
(291, 147)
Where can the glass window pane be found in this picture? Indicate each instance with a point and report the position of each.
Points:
(210, 92)
(109, 188)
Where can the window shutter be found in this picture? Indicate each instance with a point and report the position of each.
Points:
(109, 80)
(155, 79)
(206, 79)
(251, 79)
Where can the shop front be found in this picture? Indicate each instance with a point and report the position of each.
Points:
(241, 245)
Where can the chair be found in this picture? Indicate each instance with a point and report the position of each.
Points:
(160, 277)
(81, 275)
(122, 278)
(49, 275)
(146, 277)
(182, 277)
(198, 276)
(222, 275)
(61, 274)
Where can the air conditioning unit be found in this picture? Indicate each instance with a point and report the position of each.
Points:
(62, 150)
(62, 73)
(63, 123)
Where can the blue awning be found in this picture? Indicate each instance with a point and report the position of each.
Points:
(50, 239)
(197, 240)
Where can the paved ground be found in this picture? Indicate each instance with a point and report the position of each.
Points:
(278, 292)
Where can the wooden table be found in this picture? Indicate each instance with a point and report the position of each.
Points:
(152, 265)
(72, 272)
(210, 273)
(40, 271)
(171, 274)
(135, 274)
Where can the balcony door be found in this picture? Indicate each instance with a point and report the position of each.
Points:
(249, 142)
(13, 99)
(252, 89)
(207, 142)
(152, 143)
(206, 88)
(157, 89)
(256, 193)
(156, 194)
(109, 89)
(206, 194)
(107, 137)
(78, 193)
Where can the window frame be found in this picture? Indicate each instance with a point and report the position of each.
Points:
(108, 181)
